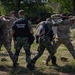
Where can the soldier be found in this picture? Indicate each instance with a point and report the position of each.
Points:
(14, 18)
(4, 38)
(21, 32)
(63, 31)
(45, 35)
(9, 19)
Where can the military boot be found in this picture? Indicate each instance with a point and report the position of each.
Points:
(54, 61)
(30, 66)
(48, 60)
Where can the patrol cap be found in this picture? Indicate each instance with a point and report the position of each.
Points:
(21, 12)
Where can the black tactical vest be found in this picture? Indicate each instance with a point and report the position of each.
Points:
(21, 28)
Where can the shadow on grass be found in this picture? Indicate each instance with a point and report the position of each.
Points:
(66, 69)
(25, 71)
(21, 71)
(3, 54)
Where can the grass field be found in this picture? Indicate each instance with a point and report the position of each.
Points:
(63, 68)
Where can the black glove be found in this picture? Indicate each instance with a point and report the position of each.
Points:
(37, 37)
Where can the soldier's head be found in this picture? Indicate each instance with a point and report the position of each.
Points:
(12, 13)
(41, 23)
(21, 13)
(48, 20)
(56, 17)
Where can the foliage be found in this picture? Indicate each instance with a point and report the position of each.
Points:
(35, 9)
(66, 5)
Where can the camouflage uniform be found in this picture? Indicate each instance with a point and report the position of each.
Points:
(63, 31)
(64, 38)
(10, 23)
(19, 43)
(21, 40)
(45, 42)
(4, 39)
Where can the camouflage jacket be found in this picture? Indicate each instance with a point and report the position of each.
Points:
(63, 29)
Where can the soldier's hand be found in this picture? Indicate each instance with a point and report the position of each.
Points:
(37, 37)
(36, 41)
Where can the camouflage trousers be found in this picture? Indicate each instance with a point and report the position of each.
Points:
(19, 43)
(6, 42)
(44, 42)
(67, 43)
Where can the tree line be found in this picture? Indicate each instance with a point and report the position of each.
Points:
(35, 8)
